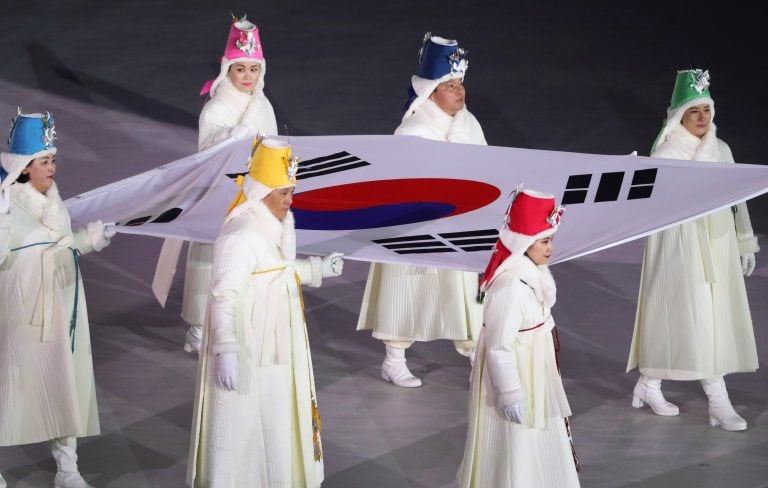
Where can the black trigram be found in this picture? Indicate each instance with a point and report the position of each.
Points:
(163, 218)
(474, 240)
(609, 187)
(421, 244)
(333, 163)
(324, 165)
(470, 241)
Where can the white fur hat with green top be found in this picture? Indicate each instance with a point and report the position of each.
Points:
(691, 89)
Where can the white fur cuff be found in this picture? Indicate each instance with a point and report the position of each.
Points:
(317, 271)
(96, 236)
(510, 398)
(748, 245)
(222, 341)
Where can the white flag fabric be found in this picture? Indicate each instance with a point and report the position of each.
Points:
(405, 199)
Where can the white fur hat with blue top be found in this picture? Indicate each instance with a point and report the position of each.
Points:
(440, 60)
(31, 137)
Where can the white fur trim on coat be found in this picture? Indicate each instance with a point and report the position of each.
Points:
(431, 122)
(675, 115)
(317, 271)
(539, 278)
(510, 398)
(96, 235)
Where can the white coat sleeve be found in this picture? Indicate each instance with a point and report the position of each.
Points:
(503, 317)
(744, 234)
(310, 271)
(6, 221)
(747, 239)
(211, 133)
(410, 127)
(82, 240)
(233, 260)
(260, 117)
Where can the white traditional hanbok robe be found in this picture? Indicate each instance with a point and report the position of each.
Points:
(47, 388)
(693, 320)
(266, 433)
(414, 303)
(227, 109)
(516, 362)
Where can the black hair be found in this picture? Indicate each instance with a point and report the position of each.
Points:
(23, 178)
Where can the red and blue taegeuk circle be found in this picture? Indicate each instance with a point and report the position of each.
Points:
(386, 203)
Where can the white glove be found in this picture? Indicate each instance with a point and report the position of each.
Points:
(514, 412)
(240, 132)
(5, 200)
(333, 265)
(225, 370)
(748, 264)
(109, 231)
(98, 235)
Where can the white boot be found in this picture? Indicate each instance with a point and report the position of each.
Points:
(64, 451)
(467, 352)
(2, 481)
(648, 390)
(721, 412)
(395, 370)
(194, 340)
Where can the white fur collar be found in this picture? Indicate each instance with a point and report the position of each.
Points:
(282, 233)
(538, 278)
(462, 127)
(232, 97)
(435, 116)
(239, 108)
(699, 149)
(466, 129)
(47, 207)
(25, 195)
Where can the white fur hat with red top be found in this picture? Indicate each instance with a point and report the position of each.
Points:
(243, 45)
(530, 216)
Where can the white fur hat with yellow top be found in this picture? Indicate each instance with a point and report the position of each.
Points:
(271, 166)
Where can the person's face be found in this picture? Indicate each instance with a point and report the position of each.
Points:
(244, 75)
(41, 172)
(279, 201)
(540, 251)
(696, 119)
(449, 96)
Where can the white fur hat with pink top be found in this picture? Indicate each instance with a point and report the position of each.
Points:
(243, 45)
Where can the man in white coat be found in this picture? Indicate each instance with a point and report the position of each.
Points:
(256, 419)
(404, 303)
(693, 320)
(237, 108)
(47, 389)
(517, 436)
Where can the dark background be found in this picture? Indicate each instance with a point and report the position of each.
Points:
(568, 76)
